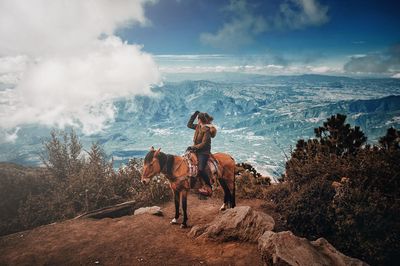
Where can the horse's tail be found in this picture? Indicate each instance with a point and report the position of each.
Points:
(237, 167)
(234, 185)
(228, 175)
(234, 192)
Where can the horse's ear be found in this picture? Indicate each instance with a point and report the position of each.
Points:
(156, 153)
(152, 148)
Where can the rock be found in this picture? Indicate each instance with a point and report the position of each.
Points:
(284, 248)
(240, 223)
(155, 210)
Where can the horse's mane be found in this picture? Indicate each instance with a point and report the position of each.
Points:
(163, 159)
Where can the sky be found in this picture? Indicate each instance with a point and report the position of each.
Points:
(65, 62)
(353, 37)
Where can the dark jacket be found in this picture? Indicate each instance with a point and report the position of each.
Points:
(202, 135)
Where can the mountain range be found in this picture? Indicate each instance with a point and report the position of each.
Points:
(259, 118)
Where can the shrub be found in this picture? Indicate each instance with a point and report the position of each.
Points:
(334, 143)
(339, 188)
(62, 154)
(366, 207)
(308, 210)
(250, 183)
(17, 183)
(69, 185)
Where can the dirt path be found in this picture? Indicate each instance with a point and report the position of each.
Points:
(130, 240)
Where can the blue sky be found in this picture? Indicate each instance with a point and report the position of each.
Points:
(176, 27)
(313, 33)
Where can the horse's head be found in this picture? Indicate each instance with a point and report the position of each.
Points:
(151, 165)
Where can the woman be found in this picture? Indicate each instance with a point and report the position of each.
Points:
(204, 131)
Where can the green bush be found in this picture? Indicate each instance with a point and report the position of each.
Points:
(17, 184)
(249, 183)
(339, 188)
(366, 208)
(70, 184)
(308, 210)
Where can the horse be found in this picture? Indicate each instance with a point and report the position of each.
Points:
(177, 171)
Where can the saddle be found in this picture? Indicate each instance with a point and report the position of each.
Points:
(212, 166)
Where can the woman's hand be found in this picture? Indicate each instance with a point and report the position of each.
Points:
(191, 148)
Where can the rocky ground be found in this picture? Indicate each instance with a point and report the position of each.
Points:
(129, 240)
(240, 236)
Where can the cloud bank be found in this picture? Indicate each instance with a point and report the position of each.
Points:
(376, 63)
(265, 64)
(245, 24)
(65, 64)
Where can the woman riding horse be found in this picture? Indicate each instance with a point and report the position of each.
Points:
(204, 131)
(176, 169)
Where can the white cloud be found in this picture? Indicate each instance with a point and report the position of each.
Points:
(252, 69)
(7, 136)
(297, 14)
(66, 64)
(265, 64)
(245, 24)
(77, 90)
(384, 62)
(241, 30)
(320, 69)
(42, 27)
(11, 68)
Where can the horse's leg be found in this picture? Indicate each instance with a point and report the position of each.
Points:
(227, 180)
(234, 191)
(231, 188)
(184, 194)
(226, 194)
(176, 200)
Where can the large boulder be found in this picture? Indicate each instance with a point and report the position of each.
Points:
(240, 223)
(284, 248)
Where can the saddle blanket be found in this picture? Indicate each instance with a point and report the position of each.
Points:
(191, 161)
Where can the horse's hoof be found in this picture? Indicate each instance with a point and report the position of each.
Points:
(184, 226)
(174, 221)
(223, 208)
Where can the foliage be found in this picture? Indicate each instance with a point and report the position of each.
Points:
(62, 153)
(250, 183)
(340, 138)
(367, 205)
(17, 184)
(305, 209)
(70, 184)
(335, 142)
(339, 188)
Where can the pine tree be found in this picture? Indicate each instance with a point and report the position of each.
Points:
(391, 141)
(340, 138)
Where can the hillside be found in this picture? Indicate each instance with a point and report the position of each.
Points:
(128, 240)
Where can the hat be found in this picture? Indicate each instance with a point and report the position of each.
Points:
(205, 118)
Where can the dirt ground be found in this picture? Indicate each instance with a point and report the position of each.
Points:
(129, 240)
